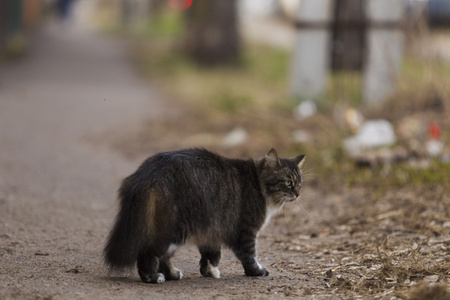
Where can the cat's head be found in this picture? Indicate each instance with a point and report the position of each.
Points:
(280, 179)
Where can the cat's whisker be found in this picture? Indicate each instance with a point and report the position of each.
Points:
(302, 206)
(307, 175)
(304, 210)
(311, 174)
(285, 212)
(308, 170)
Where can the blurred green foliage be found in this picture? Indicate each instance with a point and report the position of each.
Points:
(167, 25)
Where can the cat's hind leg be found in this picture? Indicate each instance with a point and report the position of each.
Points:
(210, 260)
(169, 271)
(148, 268)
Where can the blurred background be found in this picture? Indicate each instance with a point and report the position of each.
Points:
(362, 87)
(287, 73)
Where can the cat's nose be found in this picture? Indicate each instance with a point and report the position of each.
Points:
(297, 192)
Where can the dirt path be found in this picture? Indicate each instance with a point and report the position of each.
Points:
(59, 108)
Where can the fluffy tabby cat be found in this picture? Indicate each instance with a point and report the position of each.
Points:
(199, 197)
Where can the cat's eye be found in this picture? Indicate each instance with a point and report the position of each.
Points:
(288, 182)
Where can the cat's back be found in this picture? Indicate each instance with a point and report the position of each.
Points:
(195, 157)
(194, 161)
(189, 174)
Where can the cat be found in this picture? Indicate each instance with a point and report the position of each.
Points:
(199, 197)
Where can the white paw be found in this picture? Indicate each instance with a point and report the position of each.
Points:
(160, 279)
(213, 271)
(179, 272)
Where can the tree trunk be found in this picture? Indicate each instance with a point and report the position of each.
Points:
(211, 34)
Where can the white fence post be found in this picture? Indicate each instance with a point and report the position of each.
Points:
(385, 48)
(311, 53)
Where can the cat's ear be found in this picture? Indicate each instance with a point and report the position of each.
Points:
(299, 160)
(271, 158)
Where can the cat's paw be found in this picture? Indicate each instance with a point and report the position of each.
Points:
(152, 278)
(210, 271)
(159, 278)
(175, 274)
(261, 271)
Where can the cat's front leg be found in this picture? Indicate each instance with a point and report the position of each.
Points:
(245, 250)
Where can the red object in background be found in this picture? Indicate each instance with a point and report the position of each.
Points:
(180, 4)
(434, 131)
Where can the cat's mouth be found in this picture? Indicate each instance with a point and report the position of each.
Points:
(291, 200)
(287, 199)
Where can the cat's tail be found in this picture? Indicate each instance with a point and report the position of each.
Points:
(130, 232)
